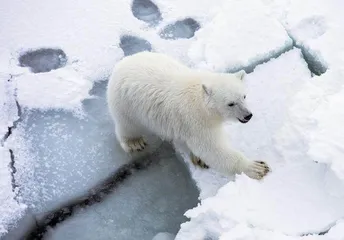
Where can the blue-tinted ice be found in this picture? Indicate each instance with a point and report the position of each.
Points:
(152, 200)
(67, 155)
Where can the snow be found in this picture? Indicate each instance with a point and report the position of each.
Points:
(55, 58)
(239, 37)
(64, 89)
(10, 209)
(293, 204)
(326, 139)
(298, 133)
(316, 26)
(8, 108)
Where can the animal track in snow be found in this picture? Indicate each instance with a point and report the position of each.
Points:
(180, 29)
(43, 59)
(131, 45)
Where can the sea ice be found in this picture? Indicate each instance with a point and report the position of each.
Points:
(59, 156)
(150, 201)
(239, 37)
(8, 107)
(59, 89)
(10, 210)
(298, 196)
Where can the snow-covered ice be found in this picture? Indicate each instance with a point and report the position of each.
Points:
(239, 37)
(10, 210)
(299, 126)
(299, 196)
(55, 58)
(8, 107)
(63, 89)
(316, 26)
(326, 141)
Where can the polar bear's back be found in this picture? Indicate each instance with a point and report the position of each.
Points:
(154, 90)
(151, 64)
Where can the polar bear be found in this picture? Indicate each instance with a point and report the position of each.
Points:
(151, 92)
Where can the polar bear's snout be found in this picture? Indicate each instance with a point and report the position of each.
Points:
(243, 114)
(246, 119)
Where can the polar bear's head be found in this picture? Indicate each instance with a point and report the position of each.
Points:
(225, 96)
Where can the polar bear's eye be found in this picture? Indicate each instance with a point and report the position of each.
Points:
(245, 97)
(231, 104)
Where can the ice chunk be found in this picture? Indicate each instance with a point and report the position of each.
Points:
(147, 11)
(299, 196)
(63, 88)
(59, 156)
(240, 36)
(316, 28)
(327, 138)
(150, 201)
(180, 29)
(131, 45)
(307, 111)
(10, 210)
(43, 60)
(306, 32)
(292, 200)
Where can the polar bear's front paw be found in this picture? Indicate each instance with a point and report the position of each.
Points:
(134, 145)
(198, 162)
(257, 170)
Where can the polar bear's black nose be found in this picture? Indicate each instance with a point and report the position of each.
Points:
(248, 117)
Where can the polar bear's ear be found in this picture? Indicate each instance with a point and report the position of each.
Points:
(241, 74)
(206, 89)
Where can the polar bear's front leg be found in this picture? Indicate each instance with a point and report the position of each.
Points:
(182, 146)
(257, 170)
(219, 156)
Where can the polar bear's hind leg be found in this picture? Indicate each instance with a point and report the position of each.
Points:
(129, 136)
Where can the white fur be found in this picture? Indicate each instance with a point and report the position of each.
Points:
(150, 92)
